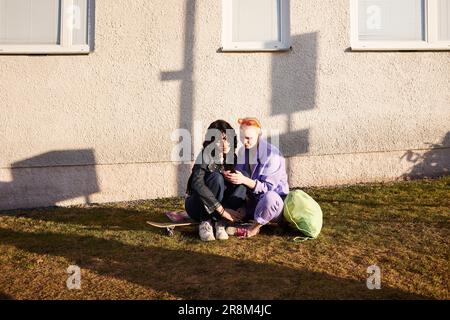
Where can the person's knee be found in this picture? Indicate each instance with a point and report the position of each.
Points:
(215, 179)
(269, 208)
(272, 200)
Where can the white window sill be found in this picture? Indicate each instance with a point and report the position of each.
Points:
(400, 46)
(254, 50)
(255, 46)
(43, 49)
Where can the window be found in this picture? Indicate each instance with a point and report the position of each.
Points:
(400, 24)
(255, 25)
(45, 26)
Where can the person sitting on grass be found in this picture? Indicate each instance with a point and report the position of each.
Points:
(262, 169)
(209, 198)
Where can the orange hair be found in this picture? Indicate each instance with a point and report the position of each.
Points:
(250, 122)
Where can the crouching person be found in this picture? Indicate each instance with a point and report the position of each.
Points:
(210, 199)
(261, 169)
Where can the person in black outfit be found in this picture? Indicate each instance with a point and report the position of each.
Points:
(210, 199)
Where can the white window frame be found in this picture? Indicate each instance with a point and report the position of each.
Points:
(66, 45)
(431, 41)
(227, 36)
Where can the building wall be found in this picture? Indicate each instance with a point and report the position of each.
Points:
(97, 128)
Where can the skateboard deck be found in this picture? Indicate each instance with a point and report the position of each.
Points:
(170, 226)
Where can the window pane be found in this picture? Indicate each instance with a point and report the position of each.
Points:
(80, 22)
(391, 20)
(29, 21)
(256, 20)
(444, 20)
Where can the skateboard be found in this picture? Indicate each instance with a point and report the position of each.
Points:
(170, 226)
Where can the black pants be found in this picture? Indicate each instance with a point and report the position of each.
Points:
(229, 195)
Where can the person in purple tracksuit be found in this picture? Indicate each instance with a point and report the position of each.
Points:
(262, 169)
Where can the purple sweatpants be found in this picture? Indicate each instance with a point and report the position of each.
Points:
(267, 207)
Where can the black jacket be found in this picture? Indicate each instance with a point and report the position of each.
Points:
(196, 183)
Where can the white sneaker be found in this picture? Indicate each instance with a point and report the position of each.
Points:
(221, 233)
(205, 231)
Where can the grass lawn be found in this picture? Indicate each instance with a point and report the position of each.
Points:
(403, 228)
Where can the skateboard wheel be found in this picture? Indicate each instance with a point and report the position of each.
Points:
(170, 231)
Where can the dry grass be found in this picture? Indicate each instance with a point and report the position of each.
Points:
(401, 227)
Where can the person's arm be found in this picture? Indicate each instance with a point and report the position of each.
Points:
(198, 184)
(229, 214)
(238, 178)
(249, 183)
(267, 181)
(270, 177)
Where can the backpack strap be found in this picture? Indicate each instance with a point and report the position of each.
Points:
(301, 239)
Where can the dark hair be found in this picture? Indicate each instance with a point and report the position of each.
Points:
(225, 128)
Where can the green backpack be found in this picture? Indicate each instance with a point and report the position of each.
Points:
(303, 213)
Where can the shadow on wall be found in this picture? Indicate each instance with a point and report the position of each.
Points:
(433, 163)
(155, 267)
(185, 76)
(49, 178)
(294, 80)
(294, 89)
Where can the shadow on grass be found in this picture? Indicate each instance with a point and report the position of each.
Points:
(123, 219)
(194, 275)
(117, 217)
(4, 296)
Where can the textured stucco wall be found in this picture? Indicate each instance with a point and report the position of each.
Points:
(96, 128)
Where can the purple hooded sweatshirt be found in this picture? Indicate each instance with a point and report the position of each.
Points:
(268, 168)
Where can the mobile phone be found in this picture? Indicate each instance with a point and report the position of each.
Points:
(230, 168)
